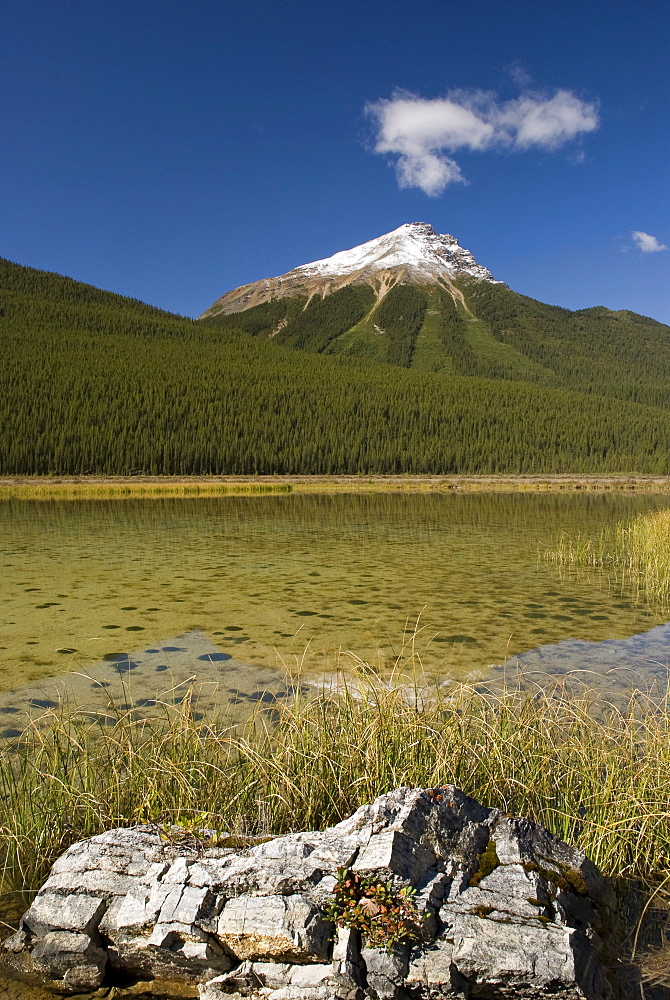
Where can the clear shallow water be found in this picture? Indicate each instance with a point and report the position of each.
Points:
(187, 668)
(84, 583)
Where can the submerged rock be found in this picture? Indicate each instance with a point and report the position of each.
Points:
(503, 910)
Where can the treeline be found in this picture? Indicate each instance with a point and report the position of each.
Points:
(261, 320)
(451, 331)
(29, 282)
(109, 386)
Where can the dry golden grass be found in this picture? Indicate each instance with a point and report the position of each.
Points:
(130, 490)
(596, 774)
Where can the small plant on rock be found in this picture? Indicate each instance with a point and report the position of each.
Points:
(385, 915)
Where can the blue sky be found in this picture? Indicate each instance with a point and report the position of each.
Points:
(172, 150)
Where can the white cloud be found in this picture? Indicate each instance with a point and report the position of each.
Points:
(423, 133)
(551, 123)
(647, 243)
(429, 171)
(519, 74)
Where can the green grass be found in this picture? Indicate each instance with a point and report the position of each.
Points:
(636, 551)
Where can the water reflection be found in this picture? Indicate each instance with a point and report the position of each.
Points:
(262, 577)
(191, 668)
(613, 665)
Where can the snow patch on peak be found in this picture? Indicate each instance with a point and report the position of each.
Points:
(414, 245)
(412, 253)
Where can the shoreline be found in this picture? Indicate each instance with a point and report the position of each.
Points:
(124, 487)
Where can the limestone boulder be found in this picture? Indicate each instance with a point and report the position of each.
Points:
(503, 910)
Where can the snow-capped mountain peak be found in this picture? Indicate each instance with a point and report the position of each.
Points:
(415, 246)
(412, 253)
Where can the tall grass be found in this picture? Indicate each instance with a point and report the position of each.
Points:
(637, 552)
(596, 774)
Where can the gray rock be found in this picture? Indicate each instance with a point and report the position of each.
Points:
(504, 910)
(286, 928)
(386, 971)
(72, 958)
(51, 912)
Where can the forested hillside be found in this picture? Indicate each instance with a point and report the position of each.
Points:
(491, 332)
(94, 382)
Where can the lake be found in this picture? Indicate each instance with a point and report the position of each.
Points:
(247, 584)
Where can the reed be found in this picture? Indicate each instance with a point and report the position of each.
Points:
(595, 773)
(637, 552)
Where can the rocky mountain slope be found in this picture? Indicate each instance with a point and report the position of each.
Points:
(416, 299)
(413, 253)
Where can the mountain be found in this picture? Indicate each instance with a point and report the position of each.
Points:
(413, 253)
(416, 299)
(92, 382)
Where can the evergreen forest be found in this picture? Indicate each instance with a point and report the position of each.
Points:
(483, 330)
(92, 382)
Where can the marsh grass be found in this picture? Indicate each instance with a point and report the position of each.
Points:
(637, 553)
(596, 774)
